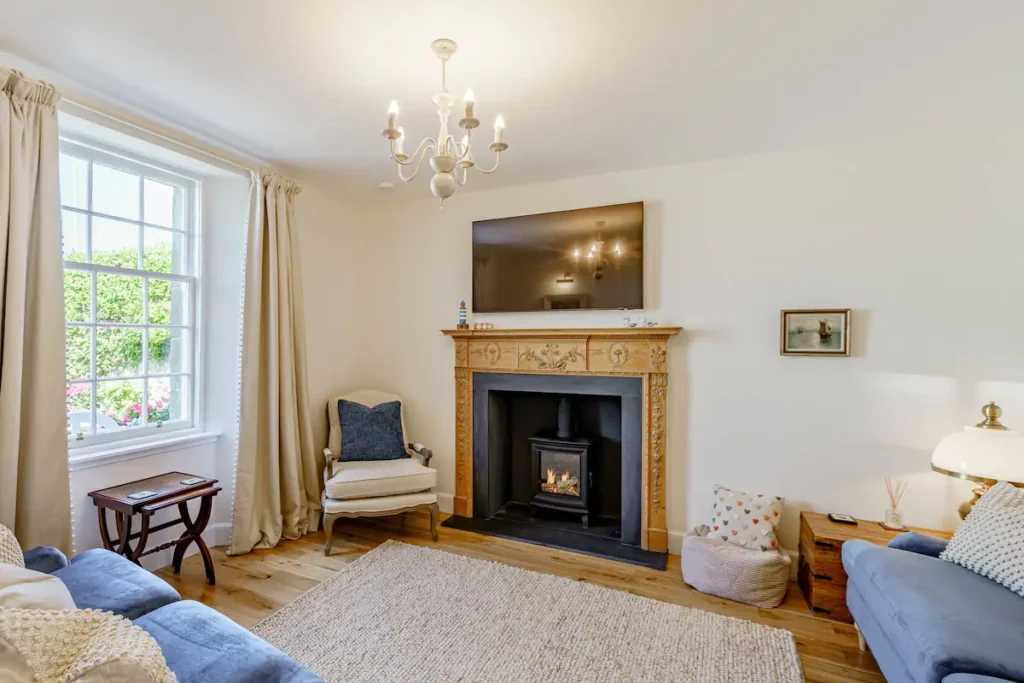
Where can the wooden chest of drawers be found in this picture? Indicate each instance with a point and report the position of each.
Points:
(820, 572)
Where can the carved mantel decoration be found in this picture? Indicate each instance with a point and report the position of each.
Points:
(616, 351)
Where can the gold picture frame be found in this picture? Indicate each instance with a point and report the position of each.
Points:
(815, 332)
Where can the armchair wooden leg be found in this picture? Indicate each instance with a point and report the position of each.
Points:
(863, 644)
(435, 512)
(328, 531)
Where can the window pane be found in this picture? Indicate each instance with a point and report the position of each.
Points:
(115, 192)
(163, 204)
(118, 351)
(168, 399)
(118, 298)
(75, 235)
(168, 302)
(115, 243)
(78, 353)
(118, 405)
(79, 406)
(74, 181)
(168, 350)
(164, 252)
(77, 296)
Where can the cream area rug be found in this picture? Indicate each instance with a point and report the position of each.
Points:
(405, 613)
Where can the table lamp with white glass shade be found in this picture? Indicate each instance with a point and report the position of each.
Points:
(986, 453)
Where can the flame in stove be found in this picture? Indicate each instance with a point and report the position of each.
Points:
(563, 483)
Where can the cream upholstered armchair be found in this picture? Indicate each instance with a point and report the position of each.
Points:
(374, 488)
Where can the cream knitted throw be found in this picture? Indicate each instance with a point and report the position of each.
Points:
(10, 549)
(60, 646)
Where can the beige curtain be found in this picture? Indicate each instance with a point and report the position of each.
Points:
(277, 481)
(34, 487)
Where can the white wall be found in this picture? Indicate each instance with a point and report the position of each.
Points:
(333, 233)
(225, 220)
(921, 236)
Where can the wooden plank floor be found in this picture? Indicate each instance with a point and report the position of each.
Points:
(250, 587)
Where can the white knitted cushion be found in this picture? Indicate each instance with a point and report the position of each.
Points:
(28, 589)
(86, 646)
(990, 542)
(10, 549)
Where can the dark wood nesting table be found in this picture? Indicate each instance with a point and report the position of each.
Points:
(168, 490)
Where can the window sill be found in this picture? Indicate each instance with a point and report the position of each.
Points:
(106, 454)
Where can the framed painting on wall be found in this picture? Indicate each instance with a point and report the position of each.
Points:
(815, 332)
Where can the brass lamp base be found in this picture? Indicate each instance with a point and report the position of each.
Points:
(967, 505)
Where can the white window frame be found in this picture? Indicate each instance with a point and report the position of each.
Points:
(138, 164)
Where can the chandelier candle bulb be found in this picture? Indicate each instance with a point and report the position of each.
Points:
(470, 100)
(393, 114)
(499, 128)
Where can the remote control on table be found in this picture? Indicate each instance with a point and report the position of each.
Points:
(841, 518)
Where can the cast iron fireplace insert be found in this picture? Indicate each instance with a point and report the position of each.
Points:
(509, 409)
(561, 473)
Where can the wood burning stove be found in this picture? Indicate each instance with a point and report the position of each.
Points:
(562, 474)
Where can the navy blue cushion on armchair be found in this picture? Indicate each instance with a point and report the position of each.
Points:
(371, 433)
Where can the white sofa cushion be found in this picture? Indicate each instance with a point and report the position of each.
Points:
(375, 478)
(27, 589)
(990, 542)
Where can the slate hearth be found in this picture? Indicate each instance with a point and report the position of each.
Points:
(513, 413)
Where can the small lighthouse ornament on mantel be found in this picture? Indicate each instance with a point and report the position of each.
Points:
(463, 324)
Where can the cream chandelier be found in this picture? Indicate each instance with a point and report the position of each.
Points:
(450, 160)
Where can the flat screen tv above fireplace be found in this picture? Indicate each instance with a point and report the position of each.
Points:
(582, 259)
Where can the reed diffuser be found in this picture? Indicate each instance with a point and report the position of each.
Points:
(893, 517)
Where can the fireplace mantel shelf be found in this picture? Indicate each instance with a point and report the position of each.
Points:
(656, 332)
(609, 351)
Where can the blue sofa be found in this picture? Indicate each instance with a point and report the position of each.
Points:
(199, 644)
(931, 621)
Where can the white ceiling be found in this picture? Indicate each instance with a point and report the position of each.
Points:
(586, 86)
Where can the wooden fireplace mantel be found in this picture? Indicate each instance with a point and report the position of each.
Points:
(613, 351)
